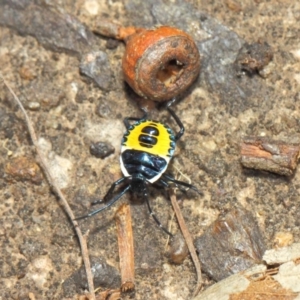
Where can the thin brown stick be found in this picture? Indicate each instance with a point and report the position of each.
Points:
(189, 241)
(56, 189)
(126, 250)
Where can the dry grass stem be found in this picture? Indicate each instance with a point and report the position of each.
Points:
(58, 192)
(189, 240)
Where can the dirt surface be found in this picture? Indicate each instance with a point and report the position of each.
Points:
(39, 248)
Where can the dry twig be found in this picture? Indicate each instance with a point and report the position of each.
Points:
(263, 153)
(126, 250)
(189, 240)
(58, 192)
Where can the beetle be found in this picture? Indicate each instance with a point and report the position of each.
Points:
(146, 150)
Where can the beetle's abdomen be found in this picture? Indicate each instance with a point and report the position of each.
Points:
(144, 163)
(147, 148)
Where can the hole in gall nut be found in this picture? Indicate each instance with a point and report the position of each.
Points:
(170, 72)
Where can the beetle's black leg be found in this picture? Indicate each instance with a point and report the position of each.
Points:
(161, 183)
(179, 123)
(126, 120)
(169, 103)
(109, 203)
(178, 182)
(110, 191)
(164, 183)
(154, 216)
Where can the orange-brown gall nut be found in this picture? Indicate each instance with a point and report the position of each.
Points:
(160, 64)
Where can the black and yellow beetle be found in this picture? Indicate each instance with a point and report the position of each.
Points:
(147, 148)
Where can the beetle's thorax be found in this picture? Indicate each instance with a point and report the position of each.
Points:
(139, 184)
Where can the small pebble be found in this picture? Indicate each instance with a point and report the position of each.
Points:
(103, 110)
(92, 7)
(27, 73)
(96, 66)
(178, 250)
(32, 105)
(252, 58)
(104, 275)
(231, 244)
(283, 239)
(112, 44)
(23, 168)
(101, 149)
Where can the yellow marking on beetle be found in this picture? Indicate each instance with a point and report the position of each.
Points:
(162, 146)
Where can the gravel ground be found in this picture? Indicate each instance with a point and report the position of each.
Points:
(40, 57)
